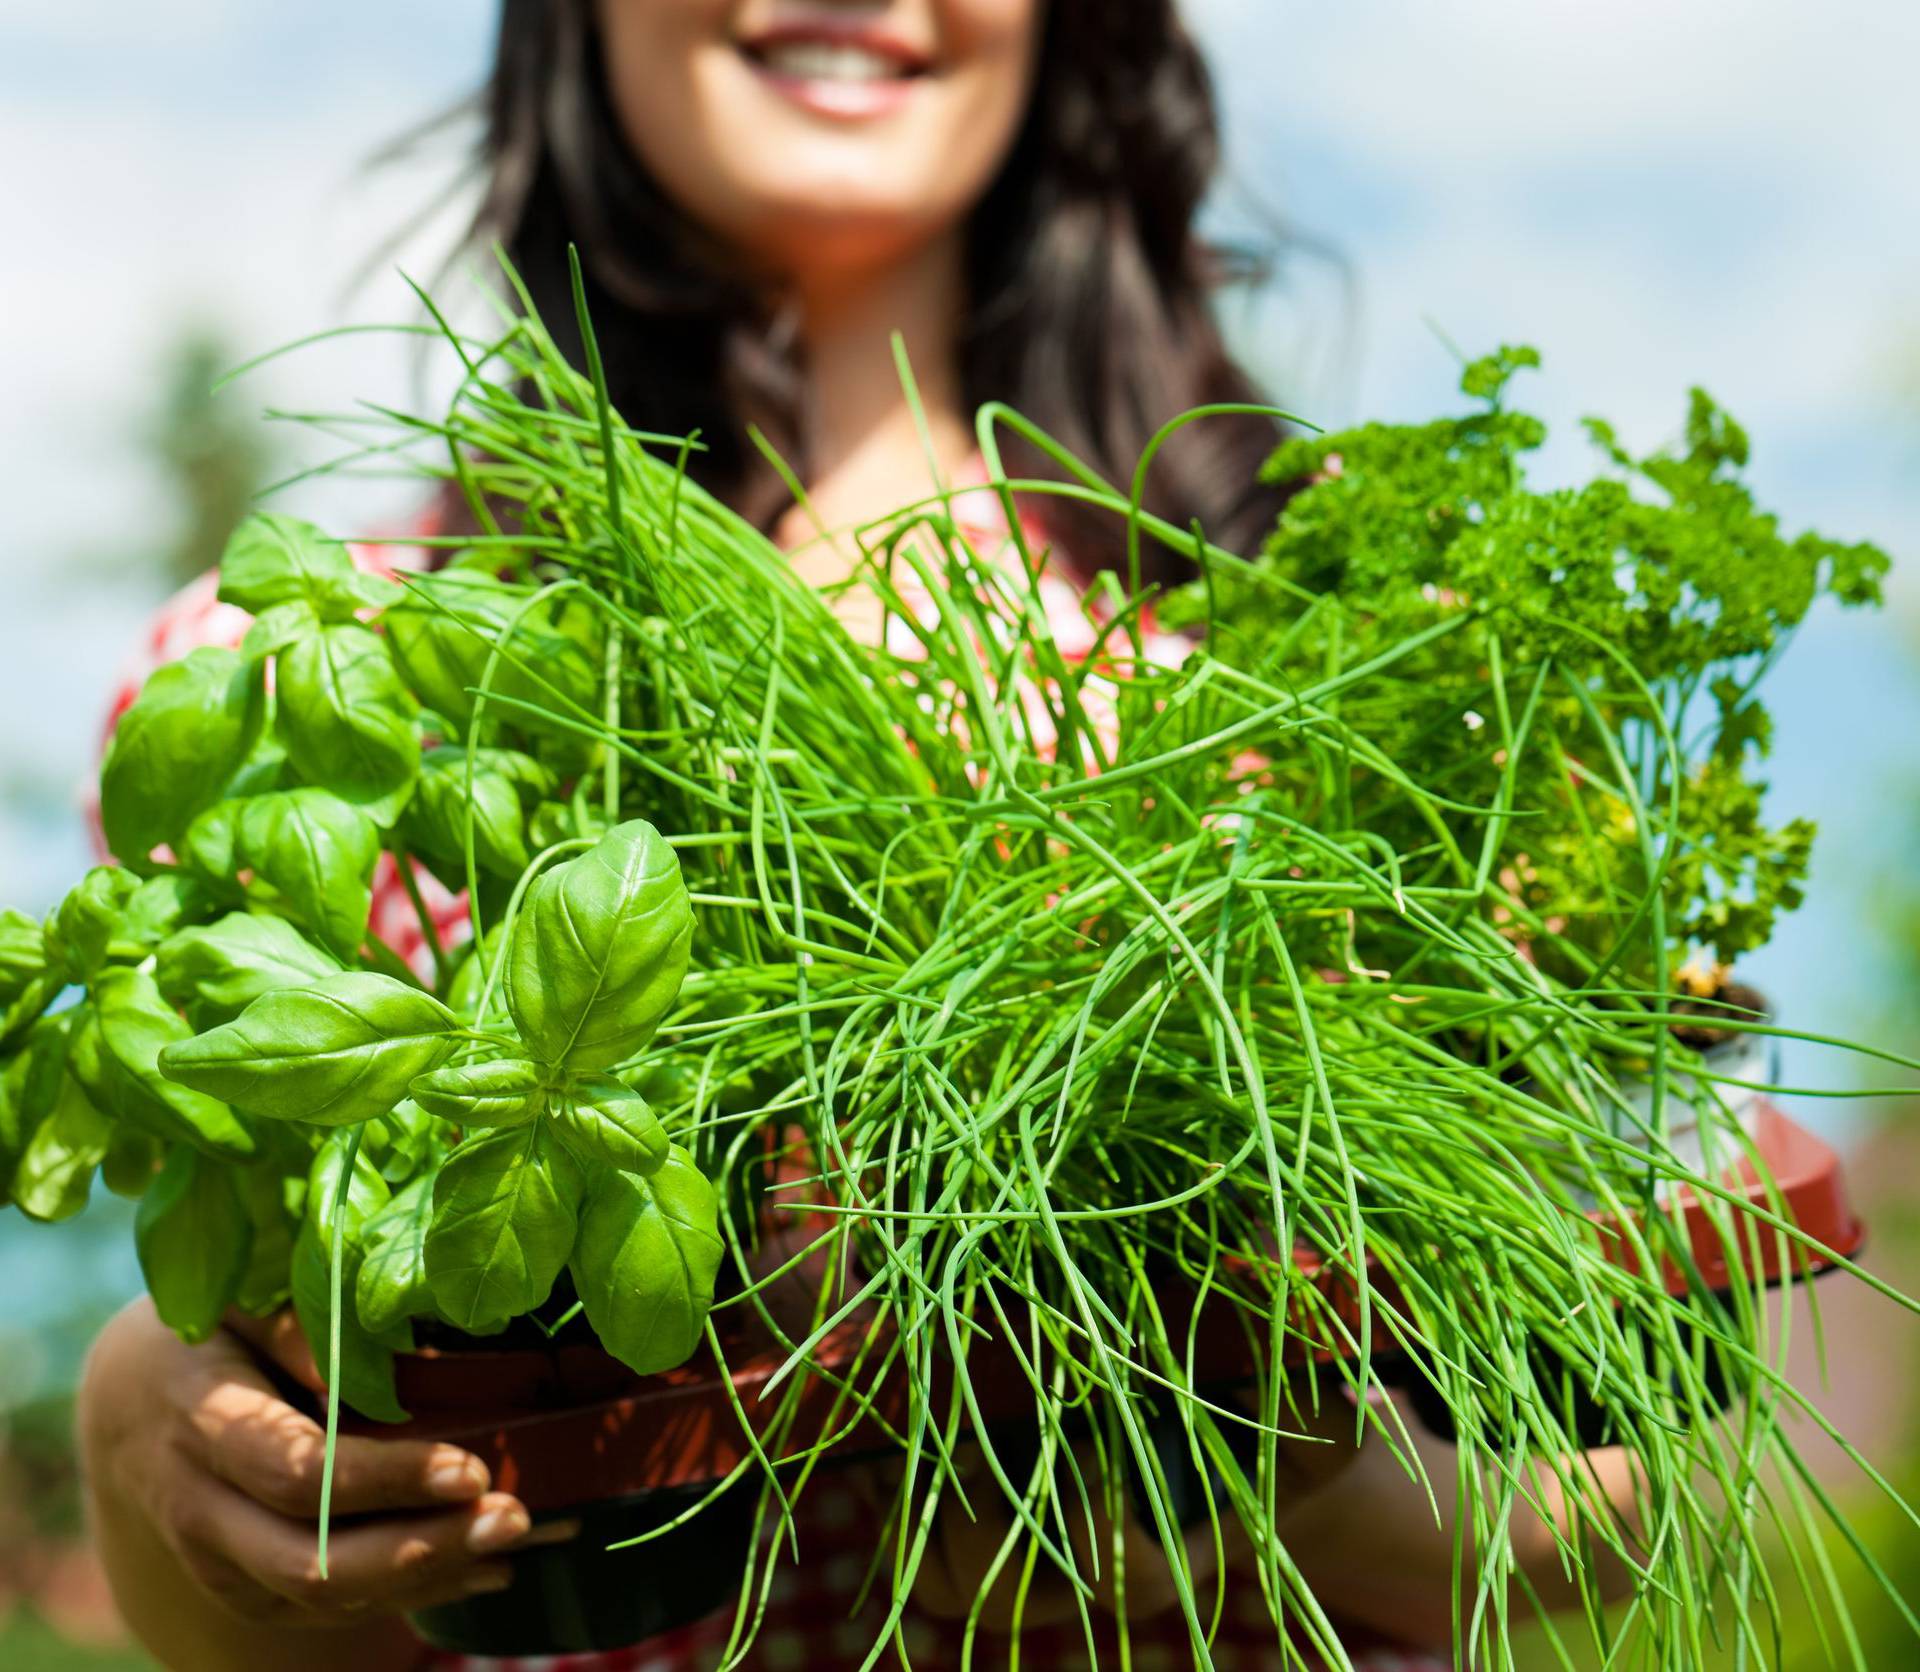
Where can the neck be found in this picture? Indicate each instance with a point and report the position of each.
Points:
(865, 453)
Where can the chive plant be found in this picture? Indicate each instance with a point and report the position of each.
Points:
(1073, 1015)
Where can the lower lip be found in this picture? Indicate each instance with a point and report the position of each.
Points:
(846, 101)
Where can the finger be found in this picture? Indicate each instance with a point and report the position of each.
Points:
(247, 1597)
(483, 1577)
(402, 1557)
(276, 1455)
(279, 1339)
(374, 1566)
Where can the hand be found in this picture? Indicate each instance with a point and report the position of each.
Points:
(192, 1453)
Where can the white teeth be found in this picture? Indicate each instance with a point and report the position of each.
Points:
(824, 61)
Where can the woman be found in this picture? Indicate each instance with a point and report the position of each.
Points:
(762, 191)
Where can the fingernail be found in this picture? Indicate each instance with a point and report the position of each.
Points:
(497, 1529)
(552, 1532)
(483, 1580)
(456, 1476)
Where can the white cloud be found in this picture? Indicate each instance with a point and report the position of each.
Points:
(1500, 77)
(116, 25)
(127, 222)
(1722, 191)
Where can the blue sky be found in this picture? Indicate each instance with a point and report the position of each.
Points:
(1721, 191)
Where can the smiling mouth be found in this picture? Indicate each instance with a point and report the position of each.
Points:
(836, 74)
(833, 61)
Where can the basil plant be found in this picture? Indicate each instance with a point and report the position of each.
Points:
(278, 1087)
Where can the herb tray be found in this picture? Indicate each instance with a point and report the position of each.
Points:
(567, 1424)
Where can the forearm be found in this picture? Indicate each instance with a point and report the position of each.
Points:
(186, 1629)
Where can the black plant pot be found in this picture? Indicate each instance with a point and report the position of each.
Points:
(1184, 1491)
(1589, 1420)
(579, 1597)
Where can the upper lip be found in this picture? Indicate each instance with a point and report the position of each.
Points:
(838, 32)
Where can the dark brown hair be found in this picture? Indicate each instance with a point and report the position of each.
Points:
(1089, 287)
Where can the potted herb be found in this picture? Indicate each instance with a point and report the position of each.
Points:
(906, 1041)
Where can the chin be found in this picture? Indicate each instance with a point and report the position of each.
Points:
(826, 232)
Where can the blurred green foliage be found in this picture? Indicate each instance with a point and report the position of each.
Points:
(212, 451)
(29, 1644)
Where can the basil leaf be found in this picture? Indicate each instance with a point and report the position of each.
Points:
(505, 1092)
(17, 1121)
(54, 1176)
(111, 913)
(598, 952)
(132, 1158)
(273, 1203)
(346, 719)
(444, 631)
(265, 769)
(411, 1138)
(80, 928)
(215, 970)
(23, 954)
(160, 906)
(276, 628)
(25, 1010)
(531, 779)
(88, 1060)
(193, 1238)
(503, 1225)
(135, 1025)
(436, 820)
(366, 1360)
(67, 1136)
(392, 1286)
(274, 560)
(211, 841)
(601, 1120)
(173, 751)
(35, 1071)
(367, 1191)
(645, 1261)
(552, 822)
(339, 1051)
(317, 854)
(428, 633)
(108, 1087)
